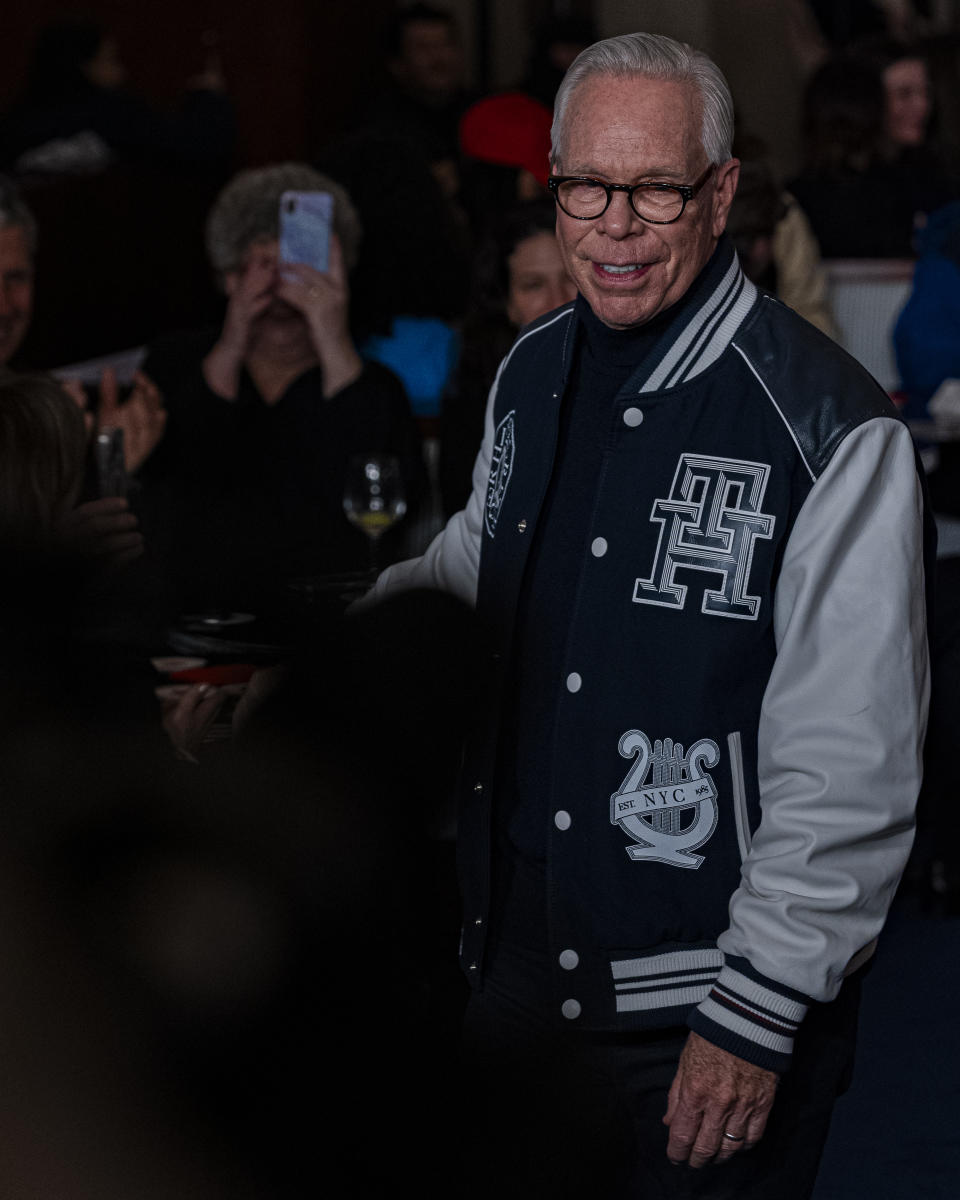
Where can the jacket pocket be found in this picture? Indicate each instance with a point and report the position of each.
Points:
(735, 749)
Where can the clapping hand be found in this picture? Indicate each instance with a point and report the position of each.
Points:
(142, 417)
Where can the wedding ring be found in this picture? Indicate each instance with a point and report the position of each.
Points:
(732, 1138)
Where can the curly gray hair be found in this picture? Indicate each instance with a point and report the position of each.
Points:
(248, 211)
(653, 56)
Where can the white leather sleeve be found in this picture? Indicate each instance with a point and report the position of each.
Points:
(843, 720)
(452, 560)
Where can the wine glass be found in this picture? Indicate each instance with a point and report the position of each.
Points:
(373, 498)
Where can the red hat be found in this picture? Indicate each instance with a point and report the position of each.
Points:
(511, 130)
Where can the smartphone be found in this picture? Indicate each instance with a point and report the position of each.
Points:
(111, 469)
(305, 219)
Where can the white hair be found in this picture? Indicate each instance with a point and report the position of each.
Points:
(653, 56)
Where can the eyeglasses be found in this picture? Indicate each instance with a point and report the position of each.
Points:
(586, 198)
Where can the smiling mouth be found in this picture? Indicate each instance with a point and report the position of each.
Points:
(620, 272)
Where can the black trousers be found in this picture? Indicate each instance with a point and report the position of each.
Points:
(560, 1113)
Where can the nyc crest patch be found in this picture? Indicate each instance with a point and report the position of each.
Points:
(501, 468)
(668, 803)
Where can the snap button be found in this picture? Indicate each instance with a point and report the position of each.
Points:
(478, 921)
(633, 417)
(570, 1009)
(522, 526)
(598, 547)
(478, 787)
(574, 682)
(562, 820)
(473, 966)
(569, 959)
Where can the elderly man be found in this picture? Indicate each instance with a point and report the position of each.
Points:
(695, 540)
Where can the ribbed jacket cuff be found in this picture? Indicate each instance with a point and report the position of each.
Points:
(750, 1016)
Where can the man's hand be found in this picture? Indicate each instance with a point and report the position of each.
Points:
(716, 1093)
(142, 417)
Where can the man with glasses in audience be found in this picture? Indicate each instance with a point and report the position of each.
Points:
(695, 541)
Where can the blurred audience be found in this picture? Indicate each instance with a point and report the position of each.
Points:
(505, 143)
(927, 334)
(868, 178)
(411, 280)
(245, 490)
(75, 115)
(141, 413)
(556, 42)
(65, 551)
(18, 242)
(426, 94)
(518, 276)
(774, 240)
(43, 444)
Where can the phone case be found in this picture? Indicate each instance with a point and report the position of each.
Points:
(305, 219)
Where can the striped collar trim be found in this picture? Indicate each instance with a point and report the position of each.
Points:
(708, 332)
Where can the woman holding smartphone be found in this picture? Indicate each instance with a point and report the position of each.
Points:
(246, 489)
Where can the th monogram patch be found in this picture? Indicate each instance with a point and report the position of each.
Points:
(710, 521)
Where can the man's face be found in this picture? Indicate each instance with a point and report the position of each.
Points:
(638, 131)
(16, 290)
(430, 60)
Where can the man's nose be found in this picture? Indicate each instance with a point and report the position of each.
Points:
(619, 219)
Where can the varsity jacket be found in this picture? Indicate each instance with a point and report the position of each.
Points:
(740, 700)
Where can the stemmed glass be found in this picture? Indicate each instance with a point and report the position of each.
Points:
(373, 498)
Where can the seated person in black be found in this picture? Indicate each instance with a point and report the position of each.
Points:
(245, 491)
(869, 177)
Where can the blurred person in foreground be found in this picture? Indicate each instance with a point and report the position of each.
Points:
(518, 276)
(691, 794)
(66, 558)
(245, 491)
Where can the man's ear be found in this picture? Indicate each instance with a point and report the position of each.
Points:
(725, 187)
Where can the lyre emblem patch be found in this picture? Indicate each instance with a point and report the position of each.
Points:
(667, 804)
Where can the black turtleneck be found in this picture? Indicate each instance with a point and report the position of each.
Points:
(604, 360)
